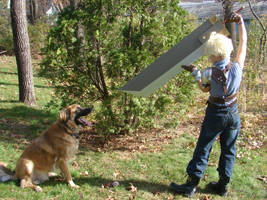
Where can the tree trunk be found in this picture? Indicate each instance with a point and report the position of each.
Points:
(80, 32)
(74, 3)
(228, 9)
(33, 11)
(22, 51)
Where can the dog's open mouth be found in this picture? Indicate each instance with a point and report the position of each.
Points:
(83, 122)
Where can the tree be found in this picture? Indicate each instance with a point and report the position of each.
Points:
(22, 52)
(121, 38)
(227, 10)
(34, 11)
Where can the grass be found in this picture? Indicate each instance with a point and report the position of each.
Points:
(150, 172)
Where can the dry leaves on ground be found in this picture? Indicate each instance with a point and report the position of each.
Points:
(131, 188)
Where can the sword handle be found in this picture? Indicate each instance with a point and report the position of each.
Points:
(237, 11)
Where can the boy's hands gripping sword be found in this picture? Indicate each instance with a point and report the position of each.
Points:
(233, 17)
(194, 71)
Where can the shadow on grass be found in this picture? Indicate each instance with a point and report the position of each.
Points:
(9, 73)
(9, 101)
(99, 182)
(16, 74)
(21, 122)
(154, 188)
(15, 84)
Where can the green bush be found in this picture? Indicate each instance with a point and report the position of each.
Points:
(6, 38)
(118, 40)
(37, 34)
(255, 55)
(254, 34)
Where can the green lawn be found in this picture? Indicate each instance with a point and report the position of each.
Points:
(149, 172)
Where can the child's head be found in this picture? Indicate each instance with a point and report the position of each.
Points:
(218, 45)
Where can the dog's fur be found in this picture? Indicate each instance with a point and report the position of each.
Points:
(53, 149)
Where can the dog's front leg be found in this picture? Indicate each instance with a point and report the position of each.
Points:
(63, 166)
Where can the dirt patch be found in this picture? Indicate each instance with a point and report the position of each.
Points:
(143, 141)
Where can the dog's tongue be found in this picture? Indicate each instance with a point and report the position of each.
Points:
(85, 122)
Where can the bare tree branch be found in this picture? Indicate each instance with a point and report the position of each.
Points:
(263, 38)
(256, 16)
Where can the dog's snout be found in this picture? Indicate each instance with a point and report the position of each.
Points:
(85, 111)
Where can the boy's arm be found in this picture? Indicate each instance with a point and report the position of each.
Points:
(242, 47)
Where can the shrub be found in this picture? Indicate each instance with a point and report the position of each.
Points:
(96, 48)
(38, 34)
(256, 59)
(6, 38)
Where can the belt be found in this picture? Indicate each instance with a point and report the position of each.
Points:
(216, 106)
(222, 100)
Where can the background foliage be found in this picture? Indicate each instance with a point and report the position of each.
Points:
(6, 38)
(37, 34)
(96, 48)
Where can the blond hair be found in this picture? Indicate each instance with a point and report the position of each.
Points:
(218, 45)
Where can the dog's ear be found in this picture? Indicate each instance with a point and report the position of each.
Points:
(64, 115)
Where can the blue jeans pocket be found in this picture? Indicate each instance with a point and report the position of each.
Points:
(236, 123)
(215, 122)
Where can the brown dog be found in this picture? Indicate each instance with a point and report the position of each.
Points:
(53, 149)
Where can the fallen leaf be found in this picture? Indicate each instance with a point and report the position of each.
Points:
(206, 197)
(110, 198)
(156, 192)
(75, 164)
(85, 173)
(116, 174)
(81, 195)
(131, 188)
(262, 178)
(212, 163)
(107, 185)
(191, 145)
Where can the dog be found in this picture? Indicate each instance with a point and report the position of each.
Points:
(54, 149)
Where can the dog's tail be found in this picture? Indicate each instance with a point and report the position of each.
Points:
(5, 173)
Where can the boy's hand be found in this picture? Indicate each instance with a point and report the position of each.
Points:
(195, 72)
(234, 17)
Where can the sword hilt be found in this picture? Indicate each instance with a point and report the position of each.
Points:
(237, 11)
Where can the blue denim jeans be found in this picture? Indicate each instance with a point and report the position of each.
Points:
(223, 122)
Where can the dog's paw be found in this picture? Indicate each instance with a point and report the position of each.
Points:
(73, 185)
(38, 189)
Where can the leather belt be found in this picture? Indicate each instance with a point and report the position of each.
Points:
(215, 106)
(222, 100)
